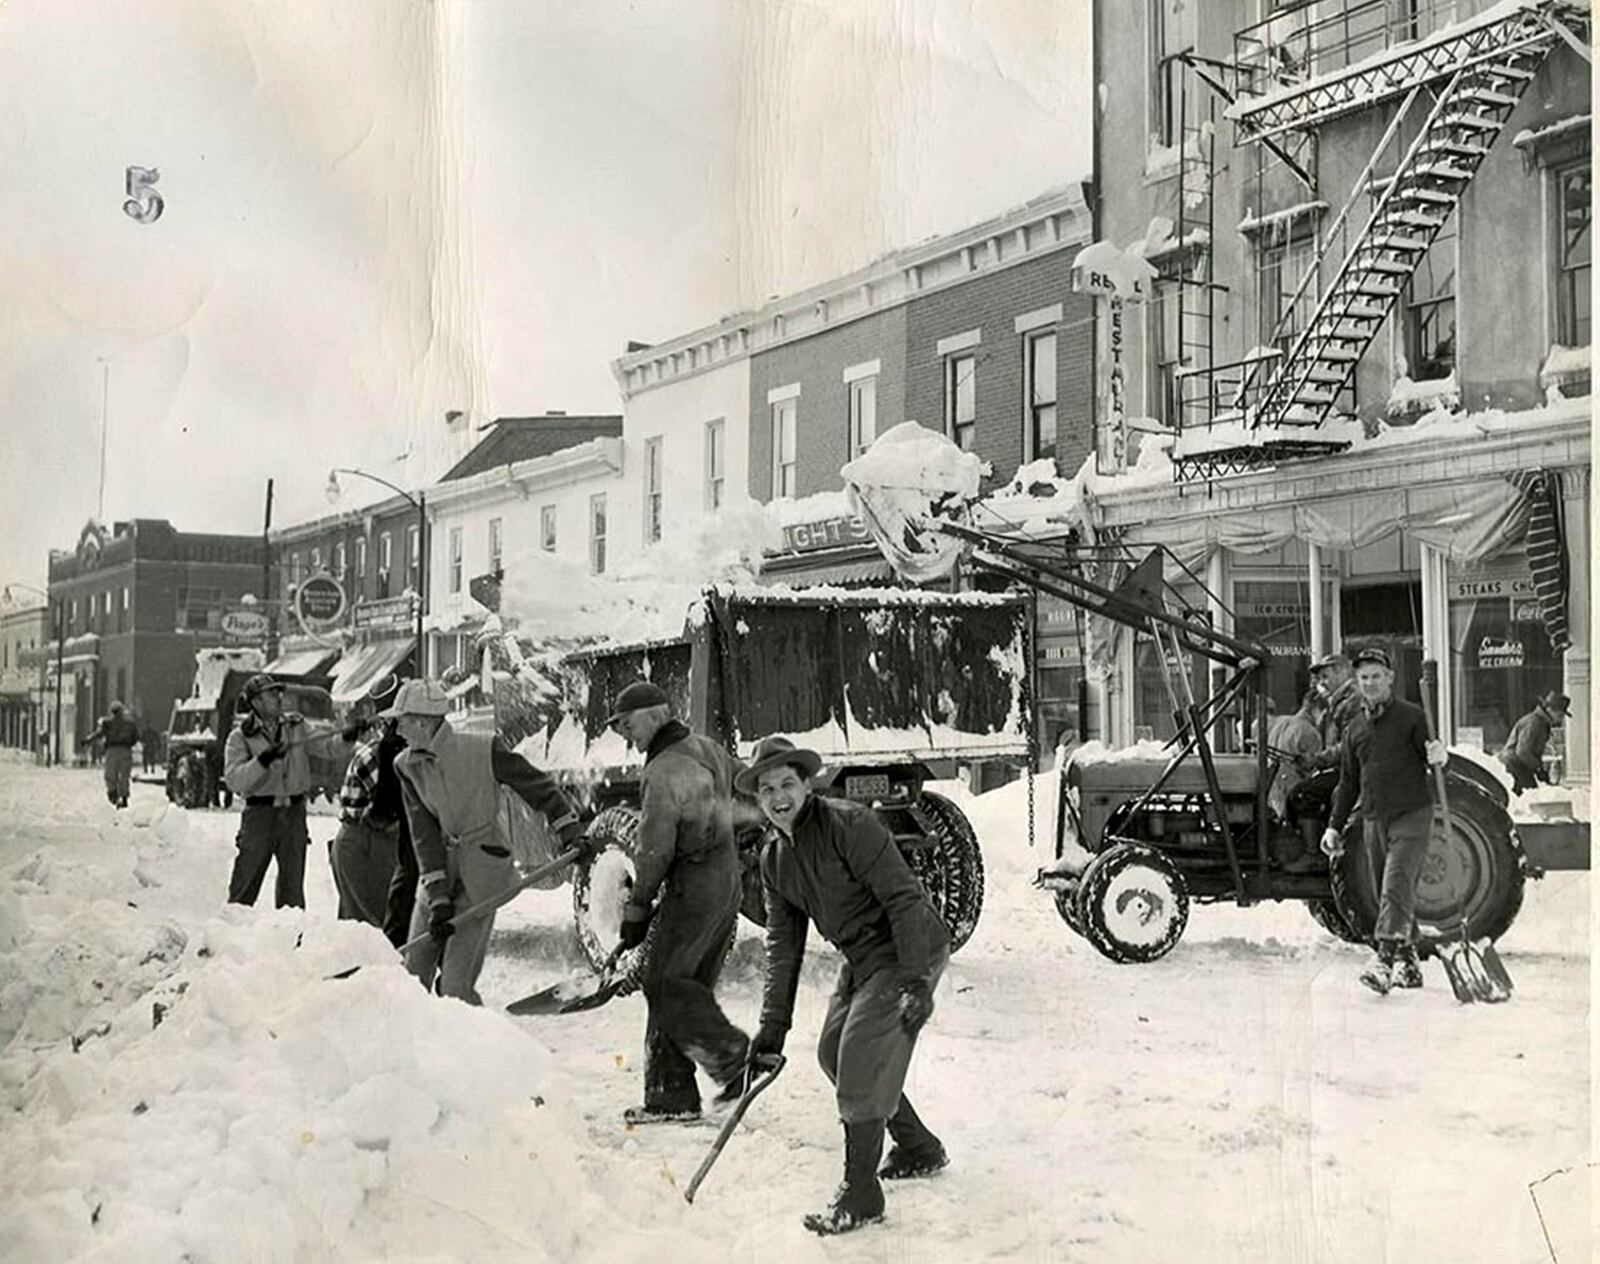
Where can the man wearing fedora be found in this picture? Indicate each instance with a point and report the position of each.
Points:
(450, 785)
(265, 762)
(685, 851)
(1523, 753)
(372, 837)
(833, 862)
(1385, 762)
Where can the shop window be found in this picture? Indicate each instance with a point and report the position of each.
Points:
(1039, 383)
(1430, 314)
(1277, 613)
(1502, 659)
(961, 399)
(1573, 252)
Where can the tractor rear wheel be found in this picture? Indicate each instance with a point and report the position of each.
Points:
(1475, 866)
(1133, 903)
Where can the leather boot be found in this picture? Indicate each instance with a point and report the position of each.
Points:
(916, 1151)
(1379, 975)
(1407, 971)
(859, 1200)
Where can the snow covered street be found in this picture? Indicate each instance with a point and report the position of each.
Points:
(1241, 1100)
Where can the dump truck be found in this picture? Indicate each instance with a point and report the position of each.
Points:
(864, 678)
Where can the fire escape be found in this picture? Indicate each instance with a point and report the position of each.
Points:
(1463, 81)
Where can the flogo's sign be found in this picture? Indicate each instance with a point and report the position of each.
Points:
(245, 625)
(829, 533)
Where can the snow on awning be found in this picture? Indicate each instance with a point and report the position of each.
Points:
(358, 669)
(863, 571)
(302, 662)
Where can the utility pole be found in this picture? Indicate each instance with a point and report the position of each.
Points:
(266, 579)
(422, 578)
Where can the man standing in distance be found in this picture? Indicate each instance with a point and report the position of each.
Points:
(1385, 762)
(833, 862)
(685, 851)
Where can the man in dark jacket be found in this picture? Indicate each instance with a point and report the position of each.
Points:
(1385, 762)
(373, 835)
(1333, 677)
(1523, 753)
(118, 734)
(685, 851)
(834, 863)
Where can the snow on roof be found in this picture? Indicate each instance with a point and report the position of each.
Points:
(1534, 135)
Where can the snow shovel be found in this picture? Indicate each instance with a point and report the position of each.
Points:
(574, 994)
(1473, 967)
(485, 906)
(756, 1084)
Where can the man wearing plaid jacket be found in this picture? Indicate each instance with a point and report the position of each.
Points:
(373, 841)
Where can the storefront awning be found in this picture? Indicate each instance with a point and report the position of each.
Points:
(863, 571)
(311, 662)
(355, 673)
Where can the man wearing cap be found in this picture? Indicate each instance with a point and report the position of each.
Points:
(833, 862)
(1334, 678)
(265, 762)
(373, 835)
(1523, 753)
(450, 785)
(118, 733)
(1385, 762)
(685, 852)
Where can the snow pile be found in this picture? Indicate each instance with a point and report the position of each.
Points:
(183, 1080)
(1229, 436)
(1436, 393)
(1564, 362)
(909, 477)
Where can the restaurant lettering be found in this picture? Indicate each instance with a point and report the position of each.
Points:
(829, 533)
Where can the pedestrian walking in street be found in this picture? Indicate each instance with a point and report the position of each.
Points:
(265, 763)
(150, 746)
(372, 822)
(1295, 741)
(685, 851)
(1523, 753)
(450, 785)
(834, 863)
(116, 735)
(1385, 763)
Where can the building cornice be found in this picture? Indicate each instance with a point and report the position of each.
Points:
(602, 455)
(1054, 221)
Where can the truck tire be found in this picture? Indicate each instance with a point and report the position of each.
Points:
(1133, 903)
(950, 868)
(1326, 914)
(1478, 861)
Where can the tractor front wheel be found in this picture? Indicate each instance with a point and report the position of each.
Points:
(1133, 903)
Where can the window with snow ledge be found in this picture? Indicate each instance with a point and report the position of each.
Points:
(1410, 400)
(1566, 372)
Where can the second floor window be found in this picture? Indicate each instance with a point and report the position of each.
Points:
(652, 490)
(863, 419)
(361, 557)
(338, 561)
(547, 528)
(597, 534)
(496, 545)
(316, 561)
(716, 463)
(1574, 186)
(385, 564)
(455, 559)
(961, 399)
(414, 559)
(1430, 313)
(784, 464)
(1039, 381)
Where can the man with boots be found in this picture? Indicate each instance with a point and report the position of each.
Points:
(450, 784)
(833, 862)
(1385, 760)
(118, 734)
(685, 851)
(265, 762)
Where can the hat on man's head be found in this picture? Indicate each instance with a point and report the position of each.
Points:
(1557, 702)
(418, 697)
(257, 685)
(1373, 654)
(384, 689)
(116, 708)
(1328, 660)
(774, 752)
(636, 697)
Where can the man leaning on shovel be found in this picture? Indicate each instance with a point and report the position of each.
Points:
(1386, 758)
(450, 784)
(834, 863)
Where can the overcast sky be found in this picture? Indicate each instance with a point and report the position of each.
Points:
(378, 211)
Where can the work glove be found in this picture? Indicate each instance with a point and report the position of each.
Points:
(1435, 752)
(766, 1046)
(635, 925)
(916, 1004)
(1332, 844)
(272, 755)
(441, 908)
(572, 836)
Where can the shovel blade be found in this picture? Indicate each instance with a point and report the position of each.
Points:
(553, 999)
(1472, 977)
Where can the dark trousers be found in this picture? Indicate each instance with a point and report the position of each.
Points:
(402, 890)
(118, 773)
(685, 1025)
(1398, 847)
(864, 1050)
(363, 859)
(268, 833)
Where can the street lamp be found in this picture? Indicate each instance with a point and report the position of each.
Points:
(61, 646)
(420, 503)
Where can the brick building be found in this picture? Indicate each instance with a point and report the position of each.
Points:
(136, 603)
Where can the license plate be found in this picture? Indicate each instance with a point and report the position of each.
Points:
(868, 787)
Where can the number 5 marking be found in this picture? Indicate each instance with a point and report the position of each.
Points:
(144, 204)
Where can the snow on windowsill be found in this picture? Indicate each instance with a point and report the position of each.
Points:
(1420, 397)
(1565, 362)
(1273, 221)
(1529, 137)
